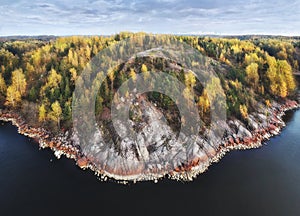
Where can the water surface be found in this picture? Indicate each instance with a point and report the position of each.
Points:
(263, 181)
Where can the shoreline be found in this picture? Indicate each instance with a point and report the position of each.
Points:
(60, 145)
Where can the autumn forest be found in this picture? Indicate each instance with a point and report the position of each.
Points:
(37, 76)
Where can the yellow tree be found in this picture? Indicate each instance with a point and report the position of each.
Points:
(3, 86)
(285, 68)
(244, 111)
(17, 89)
(204, 103)
(132, 74)
(282, 54)
(55, 114)
(190, 80)
(42, 113)
(13, 97)
(251, 58)
(145, 71)
(280, 74)
(30, 71)
(88, 52)
(73, 73)
(272, 74)
(283, 89)
(19, 81)
(53, 79)
(252, 75)
(111, 76)
(73, 57)
(144, 68)
(268, 103)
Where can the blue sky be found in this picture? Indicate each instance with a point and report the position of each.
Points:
(90, 17)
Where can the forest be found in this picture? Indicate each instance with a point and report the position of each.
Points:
(37, 76)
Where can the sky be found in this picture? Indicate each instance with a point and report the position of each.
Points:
(105, 17)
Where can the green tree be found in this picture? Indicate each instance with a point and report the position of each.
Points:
(32, 96)
(67, 113)
(99, 106)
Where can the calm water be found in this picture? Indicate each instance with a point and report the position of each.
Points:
(265, 181)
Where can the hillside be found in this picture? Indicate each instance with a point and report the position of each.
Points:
(254, 76)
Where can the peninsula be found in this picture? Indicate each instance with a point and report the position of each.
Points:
(255, 75)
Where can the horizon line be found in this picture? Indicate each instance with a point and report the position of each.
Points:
(134, 32)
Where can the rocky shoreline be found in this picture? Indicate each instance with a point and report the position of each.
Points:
(62, 145)
(234, 142)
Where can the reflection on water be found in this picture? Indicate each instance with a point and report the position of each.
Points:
(263, 181)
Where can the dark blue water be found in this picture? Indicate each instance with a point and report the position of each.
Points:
(264, 181)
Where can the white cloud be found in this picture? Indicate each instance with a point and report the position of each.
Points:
(160, 16)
